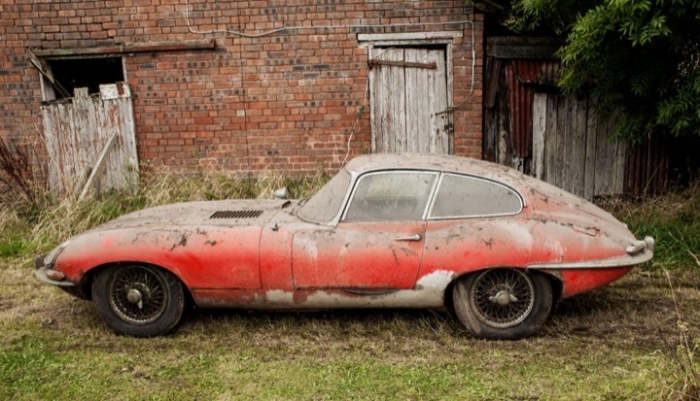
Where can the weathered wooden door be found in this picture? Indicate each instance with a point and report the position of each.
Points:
(572, 151)
(409, 102)
(91, 132)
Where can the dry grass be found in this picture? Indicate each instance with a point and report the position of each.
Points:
(35, 228)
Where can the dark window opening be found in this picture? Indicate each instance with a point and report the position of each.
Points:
(86, 73)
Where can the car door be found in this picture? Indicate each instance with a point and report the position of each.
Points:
(378, 243)
(468, 227)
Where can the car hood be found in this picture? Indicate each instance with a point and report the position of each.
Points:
(245, 212)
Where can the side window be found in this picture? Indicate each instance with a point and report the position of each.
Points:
(390, 196)
(463, 196)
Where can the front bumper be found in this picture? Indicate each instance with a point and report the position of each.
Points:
(45, 274)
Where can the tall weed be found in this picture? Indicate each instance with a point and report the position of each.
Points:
(28, 229)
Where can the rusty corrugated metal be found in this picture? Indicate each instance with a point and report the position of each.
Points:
(647, 167)
(538, 72)
(523, 77)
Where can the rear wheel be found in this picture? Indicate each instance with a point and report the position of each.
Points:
(138, 300)
(503, 304)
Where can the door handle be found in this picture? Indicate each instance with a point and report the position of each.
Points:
(416, 237)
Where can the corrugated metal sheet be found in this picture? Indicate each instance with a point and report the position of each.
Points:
(523, 77)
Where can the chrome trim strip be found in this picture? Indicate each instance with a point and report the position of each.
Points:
(621, 261)
(476, 216)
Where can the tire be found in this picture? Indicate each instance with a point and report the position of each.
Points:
(138, 300)
(503, 304)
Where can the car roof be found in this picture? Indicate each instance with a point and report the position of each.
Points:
(446, 163)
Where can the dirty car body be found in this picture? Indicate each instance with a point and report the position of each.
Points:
(421, 231)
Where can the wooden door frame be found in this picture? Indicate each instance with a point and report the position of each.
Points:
(374, 43)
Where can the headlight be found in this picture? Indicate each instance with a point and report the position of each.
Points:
(51, 257)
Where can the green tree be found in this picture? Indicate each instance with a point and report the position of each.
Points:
(639, 58)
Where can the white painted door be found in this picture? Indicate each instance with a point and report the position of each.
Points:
(408, 97)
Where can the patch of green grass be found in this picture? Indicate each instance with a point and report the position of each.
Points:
(14, 246)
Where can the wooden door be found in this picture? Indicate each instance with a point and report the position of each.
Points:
(91, 136)
(409, 102)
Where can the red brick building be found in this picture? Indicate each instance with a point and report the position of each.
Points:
(246, 85)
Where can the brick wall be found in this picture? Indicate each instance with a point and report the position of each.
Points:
(284, 100)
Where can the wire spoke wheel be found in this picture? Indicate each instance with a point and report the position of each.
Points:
(502, 297)
(137, 295)
(503, 303)
(138, 299)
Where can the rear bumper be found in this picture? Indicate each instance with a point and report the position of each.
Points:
(639, 252)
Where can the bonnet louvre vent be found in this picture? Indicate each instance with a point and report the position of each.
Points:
(236, 214)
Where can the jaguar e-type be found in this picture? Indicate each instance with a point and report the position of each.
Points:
(401, 231)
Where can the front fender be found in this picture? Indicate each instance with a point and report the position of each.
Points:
(211, 257)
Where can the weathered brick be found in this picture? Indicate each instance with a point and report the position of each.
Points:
(286, 99)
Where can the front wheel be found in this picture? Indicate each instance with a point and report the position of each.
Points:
(503, 304)
(138, 300)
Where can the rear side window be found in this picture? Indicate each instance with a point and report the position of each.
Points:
(391, 196)
(462, 196)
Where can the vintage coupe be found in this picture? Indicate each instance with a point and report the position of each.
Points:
(424, 231)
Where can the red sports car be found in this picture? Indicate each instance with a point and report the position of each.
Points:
(421, 231)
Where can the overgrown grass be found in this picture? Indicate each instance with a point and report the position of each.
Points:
(636, 339)
(28, 228)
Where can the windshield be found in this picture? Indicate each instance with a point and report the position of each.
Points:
(325, 205)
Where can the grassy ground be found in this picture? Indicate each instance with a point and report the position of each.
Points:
(622, 342)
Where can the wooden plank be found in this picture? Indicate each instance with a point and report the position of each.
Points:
(551, 140)
(422, 89)
(398, 104)
(127, 142)
(539, 129)
(414, 103)
(618, 178)
(603, 157)
(376, 111)
(577, 159)
(98, 165)
(439, 120)
(41, 67)
(389, 94)
(589, 161)
(562, 130)
(403, 64)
